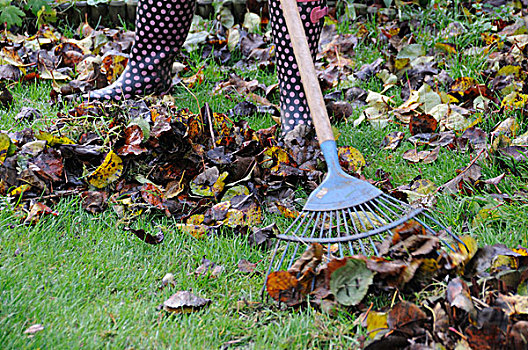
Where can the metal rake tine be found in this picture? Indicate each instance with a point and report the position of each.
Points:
(339, 233)
(281, 261)
(382, 213)
(350, 247)
(373, 226)
(396, 202)
(384, 197)
(374, 210)
(270, 266)
(447, 230)
(322, 225)
(292, 260)
(330, 221)
(302, 219)
(356, 230)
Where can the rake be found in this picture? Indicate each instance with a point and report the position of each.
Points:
(346, 215)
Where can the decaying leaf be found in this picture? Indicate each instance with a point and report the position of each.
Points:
(109, 171)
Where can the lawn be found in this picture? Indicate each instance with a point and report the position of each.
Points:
(92, 284)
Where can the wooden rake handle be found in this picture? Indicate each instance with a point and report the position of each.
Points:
(309, 79)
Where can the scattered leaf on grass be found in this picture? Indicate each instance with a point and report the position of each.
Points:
(147, 237)
(423, 123)
(392, 140)
(246, 266)
(34, 329)
(208, 268)
(185, 302)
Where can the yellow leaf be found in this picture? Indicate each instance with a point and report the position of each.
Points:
(514, 100)
(19, 190)
(53, 140)
(446, 47)
(463, 84)
(351, 159)
(234, 218)
(197, 231)
(510, 70)
(5, 145)
(376, 321)
(508, 127)
(196, 219)
(109, 171)
(465, 251)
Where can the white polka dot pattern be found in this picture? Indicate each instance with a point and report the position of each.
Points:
(161, 29)
(294, 108)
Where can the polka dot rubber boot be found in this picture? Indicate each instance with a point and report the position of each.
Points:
(161, 29)
(294, 107)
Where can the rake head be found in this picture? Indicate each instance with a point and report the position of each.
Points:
(358, 229)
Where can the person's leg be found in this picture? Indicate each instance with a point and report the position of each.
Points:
(161, 29)
(294, 107)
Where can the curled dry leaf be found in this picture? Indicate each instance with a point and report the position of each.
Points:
(34, 329)
(185, 302)
(310, 259)
(392, 140)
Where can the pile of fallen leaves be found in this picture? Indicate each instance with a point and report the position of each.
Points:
(205, 170)
(487, 311)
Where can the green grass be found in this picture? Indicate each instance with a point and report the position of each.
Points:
(94, 285)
